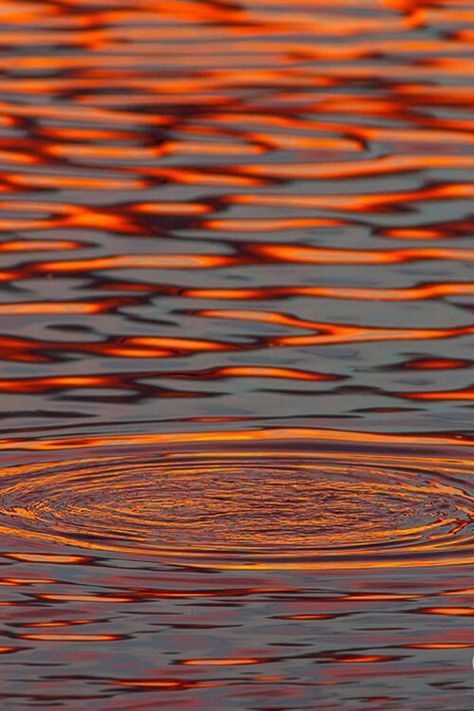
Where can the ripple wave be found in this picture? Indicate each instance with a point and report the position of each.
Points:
(240, 506)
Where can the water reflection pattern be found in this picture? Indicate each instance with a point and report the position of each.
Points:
(172, 167)
(236, 344)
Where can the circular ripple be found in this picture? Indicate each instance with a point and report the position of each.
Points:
(243, 507)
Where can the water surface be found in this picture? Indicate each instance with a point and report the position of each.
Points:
(236, 354)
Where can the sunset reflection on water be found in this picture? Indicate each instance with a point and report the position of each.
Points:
(236, 334)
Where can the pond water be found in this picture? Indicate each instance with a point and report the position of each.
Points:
(236, 345)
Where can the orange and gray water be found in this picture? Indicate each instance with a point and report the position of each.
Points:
(236, 337)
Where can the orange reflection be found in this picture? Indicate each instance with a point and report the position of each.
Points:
(264, 435)
(265, 372)
(340, 256)
(463, 394)
(26, 581)
(331, 333)
(186, 344)
(150, 261)
(362, 659)
(227, 662)
(264, 225)
(382, 597)
(436, 364)
(351, 169)
(462, 611)
(440, 645)
(428, 291)
(50, 181)
(33, 245)
(48, 558)
(309, 616)
(85, 598)
(364, 203)
(172, 208)
(60, 307)
(59, 623)
(165, 683)
(50, 637)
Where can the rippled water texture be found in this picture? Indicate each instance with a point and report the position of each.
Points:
(236, 343)
(296, 505)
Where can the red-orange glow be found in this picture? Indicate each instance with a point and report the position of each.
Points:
(16, 157)
(45, 637)
(32, 245)
(354, 202)
(467, 394)
(362, 659)
(31, 181)
(165, 683)
(227, 662)
(77, 132)
(48, 558)
(85, 598)
(203, 148)
(264, 225)
(146, 261)
(289, 141)
(441, 645)
(349, 169)
(309, 616)
(172, 208)
(200, 177)
(464, 591)
(455, 611)
(98, 220)
(32, 385)
(26, 581)
(407, 233)
(264, 435)
(59, 623)
(264, 372)
(57, 307)
(382, 597)
(429, 291)
(19, 349)
(97, 151)
(129, 351)
(331, 333)
(228, 293)
(314, 255)
(186, 344)
(436, 364)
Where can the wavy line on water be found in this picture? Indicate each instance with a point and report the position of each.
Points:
(315, 435)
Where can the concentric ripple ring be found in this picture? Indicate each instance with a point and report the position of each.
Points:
(232, 506)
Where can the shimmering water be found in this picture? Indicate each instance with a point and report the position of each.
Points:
(236, 341)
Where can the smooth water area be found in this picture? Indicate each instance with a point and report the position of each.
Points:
(236, 343)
